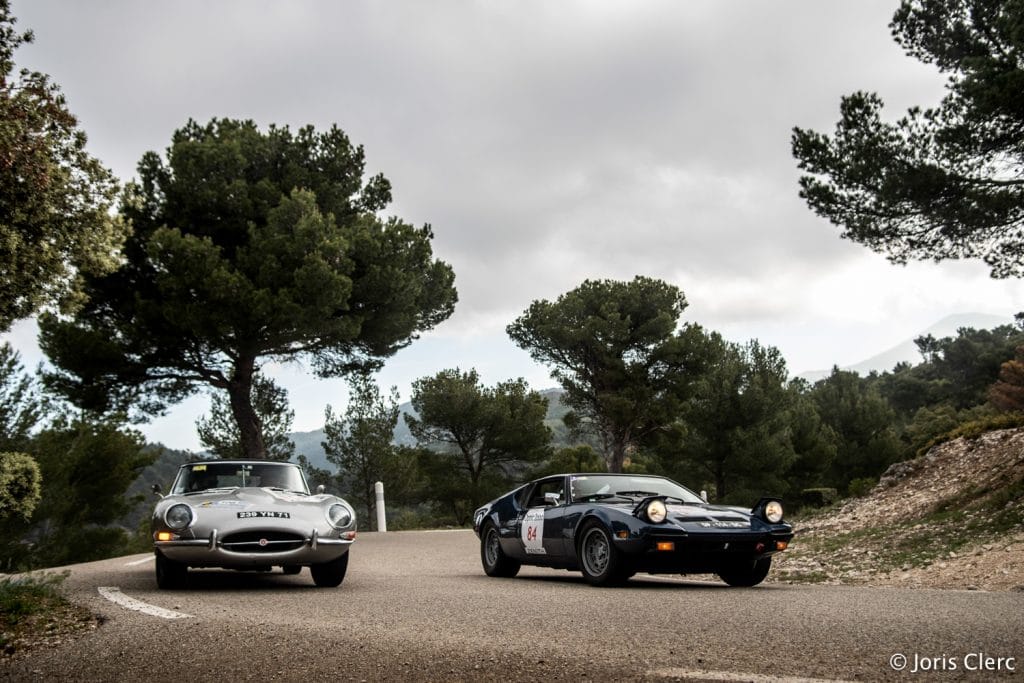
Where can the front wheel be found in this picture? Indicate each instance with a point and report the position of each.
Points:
(330, 574)
(170, 575)
(494, 559)
(748, 575)
(601, 563)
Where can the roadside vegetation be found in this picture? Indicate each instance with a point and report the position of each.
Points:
(953, 517)
(244, 245)
(33, 612)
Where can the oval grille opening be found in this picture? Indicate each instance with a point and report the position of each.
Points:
(262, 542)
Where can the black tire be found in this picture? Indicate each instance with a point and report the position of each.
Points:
(292, 569)
(601, 563)
(745, 576)
(329, 574)
(493, 558)
(170, 575)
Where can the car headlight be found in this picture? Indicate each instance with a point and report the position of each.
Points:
(656, 511)
(339, 516)
(179, 516)
(773, 511)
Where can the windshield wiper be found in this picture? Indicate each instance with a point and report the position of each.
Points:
(633, 494)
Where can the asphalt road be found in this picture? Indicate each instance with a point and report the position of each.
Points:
(417, 606)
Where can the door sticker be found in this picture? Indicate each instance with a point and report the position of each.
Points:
(533, 531)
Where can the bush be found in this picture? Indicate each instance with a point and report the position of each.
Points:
(20, 488)
(818, 497)
(975, 428)
(861, 487)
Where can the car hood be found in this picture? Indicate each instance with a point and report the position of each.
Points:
(250, 496)
(689, 511)
(221, 505)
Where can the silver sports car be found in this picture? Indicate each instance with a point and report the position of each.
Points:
(250, 515)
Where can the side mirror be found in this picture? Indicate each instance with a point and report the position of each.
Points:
(552, 498)
(320, 489)
(156, 489)
(704, 496)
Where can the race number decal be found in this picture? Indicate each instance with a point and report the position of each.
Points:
(533, 531)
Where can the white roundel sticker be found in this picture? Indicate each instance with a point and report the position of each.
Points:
(533, 531)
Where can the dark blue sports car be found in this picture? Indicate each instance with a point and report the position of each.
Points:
(611, 526)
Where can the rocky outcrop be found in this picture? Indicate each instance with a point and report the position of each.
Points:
(952, 518)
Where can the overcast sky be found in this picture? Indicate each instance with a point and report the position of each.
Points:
(547, 142)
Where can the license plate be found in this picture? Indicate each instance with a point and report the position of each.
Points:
(264, 515)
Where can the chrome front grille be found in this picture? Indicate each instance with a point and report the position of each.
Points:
(262, 542)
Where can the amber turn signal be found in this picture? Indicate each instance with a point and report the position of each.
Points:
(781, 545)
(666, 546)
(163, 535)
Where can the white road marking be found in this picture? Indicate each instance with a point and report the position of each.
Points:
(731, 676)
(114, 594)
(142, 561)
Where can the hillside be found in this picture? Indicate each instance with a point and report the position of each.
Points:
(953, 518)
(309, 443)
(907, 351)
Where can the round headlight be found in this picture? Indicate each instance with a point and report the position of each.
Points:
(339, 516)
(178, 516)
(656, 511)
(773, 512)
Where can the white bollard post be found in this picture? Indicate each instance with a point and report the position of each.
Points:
(382, 523)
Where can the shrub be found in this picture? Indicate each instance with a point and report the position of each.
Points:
(20, 488)
(861, 487)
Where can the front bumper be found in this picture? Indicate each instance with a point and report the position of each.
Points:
(697, 553)
(211, 551)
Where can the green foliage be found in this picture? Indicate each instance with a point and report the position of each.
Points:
(944, 182)
(580, 458)
(957, 371)
(481, 437)
(21, 407)
(737, 426)
(248, 245)
(615, 349)
(360, 444)
(814, 443)
(219, 433)
(975, 428)
(864, 426)
(19, 485)
(862, 486)
(818, 497)
(55, 198)
(28, 594)
(86, 468)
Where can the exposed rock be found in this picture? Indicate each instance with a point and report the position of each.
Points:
(965, 480)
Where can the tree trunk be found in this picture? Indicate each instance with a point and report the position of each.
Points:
(616, 458)
(250, 427)
(719, 483)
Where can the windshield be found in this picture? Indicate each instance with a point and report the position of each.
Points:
(205, 476)
(600, 487)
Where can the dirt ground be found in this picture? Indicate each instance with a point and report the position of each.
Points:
(950, 519)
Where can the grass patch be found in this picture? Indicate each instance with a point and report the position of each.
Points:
(33, 611)
(922, 541)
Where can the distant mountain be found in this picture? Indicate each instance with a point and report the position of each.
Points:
(906, 351)
(309, 443)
